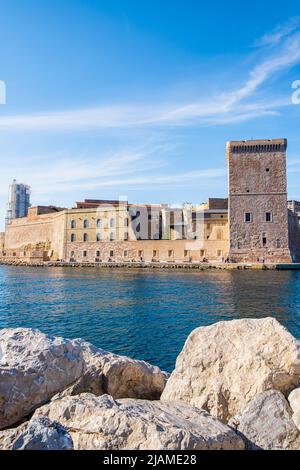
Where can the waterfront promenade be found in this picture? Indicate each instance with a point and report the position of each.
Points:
(153, 265)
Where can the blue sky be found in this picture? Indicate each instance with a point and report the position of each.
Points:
(133, 98)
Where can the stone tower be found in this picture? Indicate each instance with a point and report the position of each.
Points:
(258, 215)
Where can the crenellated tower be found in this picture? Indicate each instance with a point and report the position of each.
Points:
(258, 215)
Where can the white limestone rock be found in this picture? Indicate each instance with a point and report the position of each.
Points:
(33, 367)
(294, 400)
(37, 434)
(121, 376)
(223, 366)
(102, 423)
(266, 423)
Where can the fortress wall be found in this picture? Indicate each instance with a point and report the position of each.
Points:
(166, 250)
(294, 236)
(47, 229)
(2, 236)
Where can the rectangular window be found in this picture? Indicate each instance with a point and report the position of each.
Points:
(111, 253)
(170, 253)
(125, 254)
(126, 236)
(186, 253)
(248, 216)
(85, 254)
(202, 252)
(269, 217)
(264, 241)
(219, 252)
(155, 253)
(97, 253)
(141, 254)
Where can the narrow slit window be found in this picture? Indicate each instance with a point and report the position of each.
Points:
(248, 216)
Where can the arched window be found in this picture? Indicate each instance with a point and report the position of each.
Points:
(111, 236)
(112, 222)
(85, 237)
(73, 224)
(98, 237)
(99, 223)
(85, 223)
(73, 237)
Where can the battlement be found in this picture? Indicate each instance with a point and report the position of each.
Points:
(256, 146)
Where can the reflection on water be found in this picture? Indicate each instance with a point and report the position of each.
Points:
(143, 314)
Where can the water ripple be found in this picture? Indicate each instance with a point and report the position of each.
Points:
(143, 314)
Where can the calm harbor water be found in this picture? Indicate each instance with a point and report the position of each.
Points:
(143, 314)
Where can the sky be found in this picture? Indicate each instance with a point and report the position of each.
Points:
(136, 99)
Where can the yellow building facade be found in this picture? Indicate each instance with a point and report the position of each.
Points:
(119, 232)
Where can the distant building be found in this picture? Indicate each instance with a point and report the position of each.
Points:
(18, 201)
(260, 226)
(294, 206)
(253, 224)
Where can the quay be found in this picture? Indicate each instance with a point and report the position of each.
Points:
(156, 265)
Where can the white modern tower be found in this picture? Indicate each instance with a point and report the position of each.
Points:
(18, 201)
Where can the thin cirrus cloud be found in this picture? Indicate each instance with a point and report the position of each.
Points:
(278, 33)
(143, 168)
(138, 181)
(226, 107)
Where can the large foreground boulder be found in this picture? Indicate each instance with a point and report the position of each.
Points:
(37, 434)
(35, 367)
(223, 366)
(294, 401)
(107, 424)
(119, 376)
(267, 423)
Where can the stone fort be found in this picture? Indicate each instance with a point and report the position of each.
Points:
(252, 225)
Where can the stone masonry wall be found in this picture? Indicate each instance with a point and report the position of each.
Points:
(257, 185)
(147, 250)
(47, 229)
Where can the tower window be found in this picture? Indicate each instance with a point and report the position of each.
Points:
(269, 217)
(248, 216)
(264, 241)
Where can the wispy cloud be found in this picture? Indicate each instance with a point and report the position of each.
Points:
(223, 107)
(278, 33)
